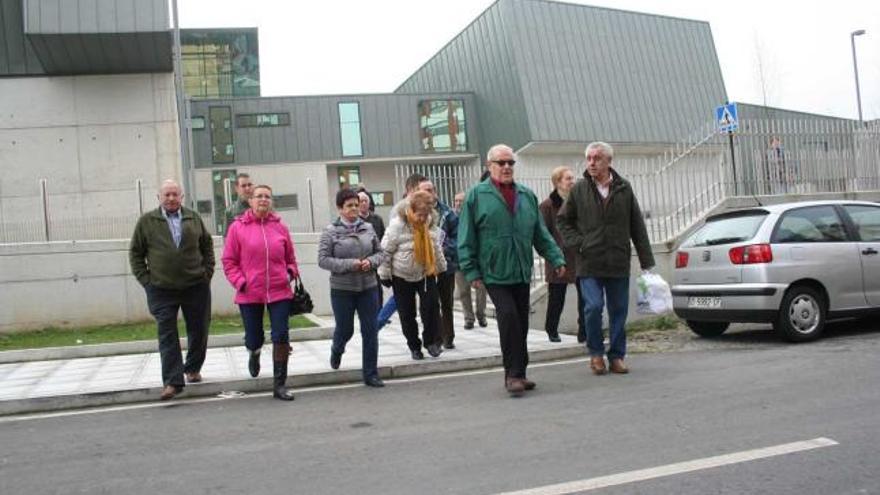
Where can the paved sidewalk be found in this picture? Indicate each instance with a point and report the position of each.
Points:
(84, 382)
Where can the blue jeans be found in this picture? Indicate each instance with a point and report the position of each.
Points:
(595, 291)
(386, 312)
(252, 319)
(365, 302)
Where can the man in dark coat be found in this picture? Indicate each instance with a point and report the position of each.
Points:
(599, 219)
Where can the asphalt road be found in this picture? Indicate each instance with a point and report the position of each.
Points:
(461, 434)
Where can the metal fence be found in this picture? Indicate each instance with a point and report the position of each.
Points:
(675, 188)
(779, 157)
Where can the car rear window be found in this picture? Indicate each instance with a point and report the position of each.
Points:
(727, 229)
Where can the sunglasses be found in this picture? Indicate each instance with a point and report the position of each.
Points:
(501, 163)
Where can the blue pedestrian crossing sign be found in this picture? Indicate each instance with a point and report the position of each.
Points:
(725, 118)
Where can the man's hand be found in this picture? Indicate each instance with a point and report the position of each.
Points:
(477, 284)
(365, 265)
(560, 272)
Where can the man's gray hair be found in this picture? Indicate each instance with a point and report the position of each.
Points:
(170, 183)
(495, 149)
(606, 148)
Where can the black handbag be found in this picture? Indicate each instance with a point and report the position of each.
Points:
(302, 301)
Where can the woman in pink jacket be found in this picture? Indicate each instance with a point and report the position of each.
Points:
(259, 261)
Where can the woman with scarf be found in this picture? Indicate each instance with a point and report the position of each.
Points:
(349, 249)
(259, 262)
(413, 259)
(563, 180)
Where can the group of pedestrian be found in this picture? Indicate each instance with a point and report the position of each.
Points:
(484, 242)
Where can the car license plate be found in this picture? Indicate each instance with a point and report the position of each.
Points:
(704, 302)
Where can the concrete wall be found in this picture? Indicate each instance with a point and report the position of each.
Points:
(90, 283)
(91, 137)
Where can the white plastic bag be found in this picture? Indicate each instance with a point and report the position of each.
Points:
(653, 296)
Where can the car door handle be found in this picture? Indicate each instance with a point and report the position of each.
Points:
(869, 251)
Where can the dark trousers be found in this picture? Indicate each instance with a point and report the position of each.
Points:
(555, 305)
(252, 319)
(446, 289)
(345, 303)
(512, 313)
(405, 294)
(164, 304)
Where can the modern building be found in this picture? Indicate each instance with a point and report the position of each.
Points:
(96, 117)
(88, 109)
(639, 81)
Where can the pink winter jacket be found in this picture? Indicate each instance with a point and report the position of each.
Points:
(259, 260)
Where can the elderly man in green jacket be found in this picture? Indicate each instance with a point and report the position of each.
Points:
(600, 218)
(499, 225)
(172, 256)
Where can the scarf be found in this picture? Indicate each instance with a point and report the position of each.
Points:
(423, 248)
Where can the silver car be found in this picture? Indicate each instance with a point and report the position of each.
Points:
(795, 265)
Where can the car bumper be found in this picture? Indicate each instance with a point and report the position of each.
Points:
(748, 303)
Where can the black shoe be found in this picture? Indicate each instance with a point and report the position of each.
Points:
(449, 345)
(254, 363)
(434, 350)
(417, 355)
(335, 360)
(468, 325)
(482, 321)
(554, 337)
(374, 381)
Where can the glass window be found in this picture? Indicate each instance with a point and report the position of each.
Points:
(442, 126)
(349, 177)
(812, 224)
(383, 198)
(262, 119)
(220, 62)
(198, 123)
(866, 220)
(727, 229)
(222, 146)
(286, 202)
(218, 178)
(350, 129)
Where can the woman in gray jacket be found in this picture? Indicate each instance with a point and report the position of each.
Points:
(350, 250)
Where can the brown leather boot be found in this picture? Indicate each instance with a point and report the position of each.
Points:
(515, 386)
(280, 356)
(597, 364)
(617, 366)
(528, 384)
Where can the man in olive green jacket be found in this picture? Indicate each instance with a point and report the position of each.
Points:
(498, 227)
(599, 218)
(172, 256)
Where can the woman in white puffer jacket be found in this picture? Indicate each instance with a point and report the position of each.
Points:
(413, 259)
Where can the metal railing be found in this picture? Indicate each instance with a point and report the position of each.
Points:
(675, 188)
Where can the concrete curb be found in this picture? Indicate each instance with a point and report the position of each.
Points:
(264, 383)
(143, 346)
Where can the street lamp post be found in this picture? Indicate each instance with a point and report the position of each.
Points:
(852, 38)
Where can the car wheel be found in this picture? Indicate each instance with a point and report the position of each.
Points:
(708, 328)
(801, 315)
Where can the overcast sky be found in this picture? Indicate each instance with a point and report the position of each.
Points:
(371, 46)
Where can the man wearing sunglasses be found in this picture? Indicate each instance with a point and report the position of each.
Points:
(499, 226)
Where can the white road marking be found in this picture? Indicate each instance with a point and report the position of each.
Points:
(677, 468)
(184, 400)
